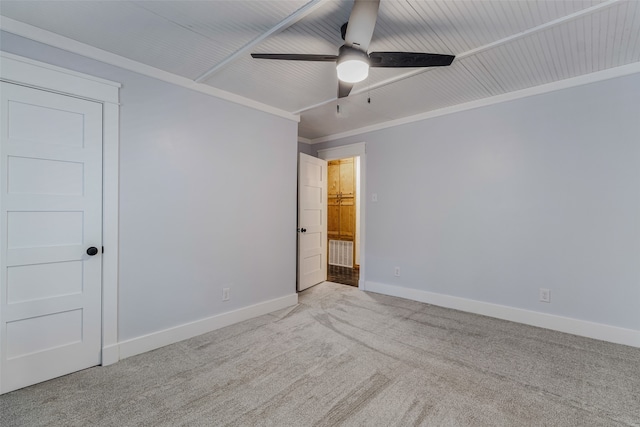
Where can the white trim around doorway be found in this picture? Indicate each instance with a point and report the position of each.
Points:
(354, 150)
(39, 75)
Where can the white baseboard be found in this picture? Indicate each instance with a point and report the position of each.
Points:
(569, 325)
(159, 339)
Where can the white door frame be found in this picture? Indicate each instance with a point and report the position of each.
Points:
(39, 75)
(354, 150)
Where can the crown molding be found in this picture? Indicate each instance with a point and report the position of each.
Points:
(584, 79)
(55, 40)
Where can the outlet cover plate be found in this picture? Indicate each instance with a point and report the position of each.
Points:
(545, 295)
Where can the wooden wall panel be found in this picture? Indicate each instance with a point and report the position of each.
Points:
(347, 219)
(341, 202)
(347, 178)
(333, 174)
(333, 218)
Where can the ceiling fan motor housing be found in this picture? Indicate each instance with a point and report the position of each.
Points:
(349, 53)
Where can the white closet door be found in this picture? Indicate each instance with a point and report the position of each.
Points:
(50, 215)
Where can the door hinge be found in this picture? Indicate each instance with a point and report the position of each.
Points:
(103, 249)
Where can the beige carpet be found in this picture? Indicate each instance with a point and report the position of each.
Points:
(345, 357)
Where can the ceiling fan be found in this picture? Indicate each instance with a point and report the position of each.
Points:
(353, 61)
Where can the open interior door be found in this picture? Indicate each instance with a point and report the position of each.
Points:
(312, 221)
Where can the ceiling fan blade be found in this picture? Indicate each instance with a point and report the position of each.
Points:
(361, 23)
(409, 59)
(295, 57)
(344, 89)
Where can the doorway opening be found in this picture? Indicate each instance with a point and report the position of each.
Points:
(343, 275)
(343, 203)
(350, 274)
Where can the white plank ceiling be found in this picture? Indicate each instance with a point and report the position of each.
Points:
(501, 46)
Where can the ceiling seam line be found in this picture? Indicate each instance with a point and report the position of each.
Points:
(184, 27)
(553, 23)
(282, 25)
(489, 91)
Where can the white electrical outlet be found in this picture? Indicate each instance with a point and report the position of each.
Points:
(545, 295)
(396, 272)
(225, 294)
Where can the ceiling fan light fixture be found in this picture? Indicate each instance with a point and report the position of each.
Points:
(353, 71)
(353, 65)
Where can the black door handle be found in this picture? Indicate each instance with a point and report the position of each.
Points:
(92, 251)
(303, 230)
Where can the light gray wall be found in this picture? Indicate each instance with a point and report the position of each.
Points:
(207, 199)
(493, 203)
(306, 149)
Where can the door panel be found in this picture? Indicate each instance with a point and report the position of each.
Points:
(34, 176)
(347, 219)
(347, 177)
(50, 213)
(333, 218)
(312, 221)
(55, 127)
(333, 170)
(43, 333)
(24, 282)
